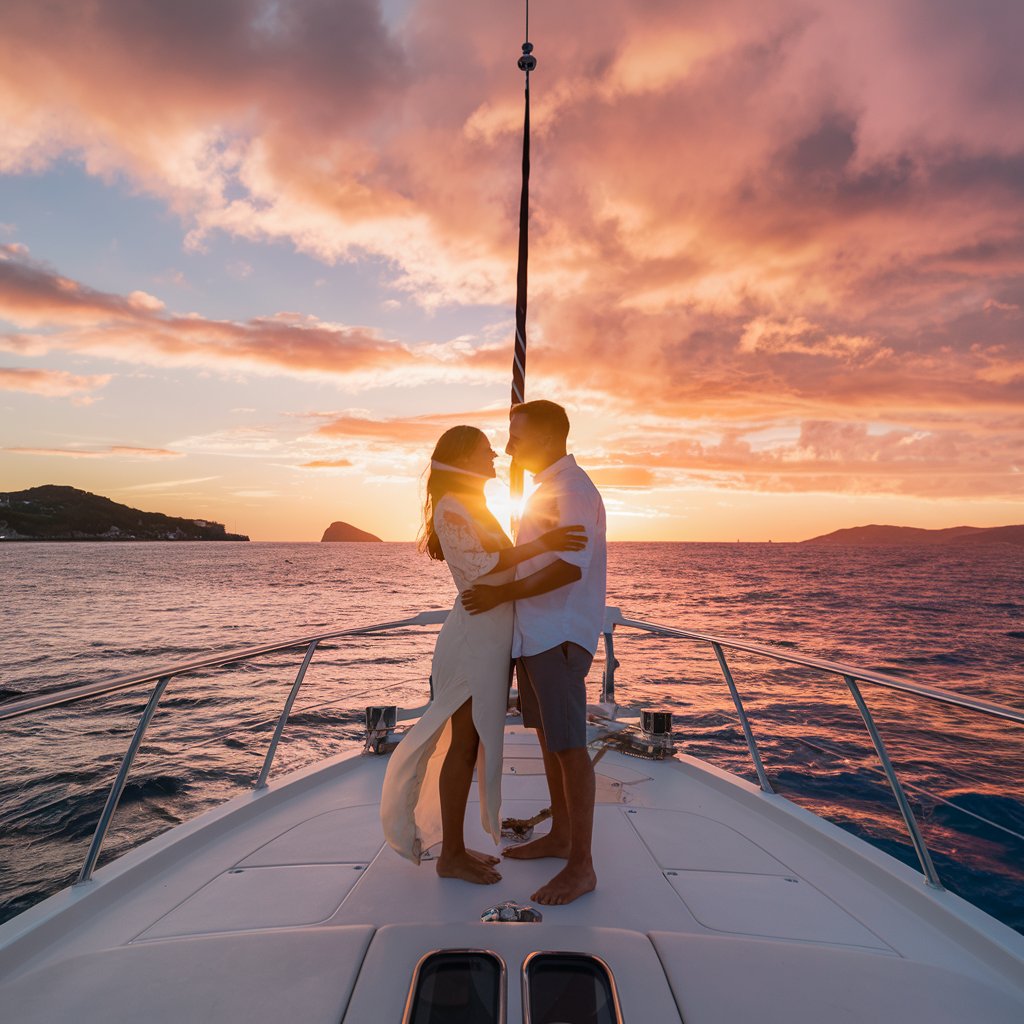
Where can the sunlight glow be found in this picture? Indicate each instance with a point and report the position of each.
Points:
(499, 501)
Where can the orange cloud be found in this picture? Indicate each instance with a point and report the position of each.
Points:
(842, 457)
(327, 464)
(415, 434)
(623, 477)
(50, 383)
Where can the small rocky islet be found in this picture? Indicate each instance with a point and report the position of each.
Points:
(347, 532)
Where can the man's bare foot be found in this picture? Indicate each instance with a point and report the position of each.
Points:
(465, 866)
(569, 884)
(544, 846)
(487, 858)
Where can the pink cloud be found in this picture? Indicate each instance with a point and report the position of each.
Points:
(137, 328)
(117, 451)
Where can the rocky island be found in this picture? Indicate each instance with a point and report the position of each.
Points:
(54, 513)
(347, 532)
(915, 536)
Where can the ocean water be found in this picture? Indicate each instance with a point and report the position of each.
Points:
(948, 617)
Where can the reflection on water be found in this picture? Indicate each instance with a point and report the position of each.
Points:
(77, 612)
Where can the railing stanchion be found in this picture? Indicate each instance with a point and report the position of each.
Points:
(285, 711)
(114, 796)
(610, 664)
(755, 756)
(923, 856)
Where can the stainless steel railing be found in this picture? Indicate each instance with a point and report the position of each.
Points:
(73, 694)
(162, 677)
(850, 675)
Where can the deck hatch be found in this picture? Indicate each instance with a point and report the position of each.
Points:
(568, 988)
(457, 986)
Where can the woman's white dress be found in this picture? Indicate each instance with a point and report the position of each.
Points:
(471, 660)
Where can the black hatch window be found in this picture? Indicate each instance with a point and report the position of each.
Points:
(457, 987)
(569, 988)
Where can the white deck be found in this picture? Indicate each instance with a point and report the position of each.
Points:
(716, 903)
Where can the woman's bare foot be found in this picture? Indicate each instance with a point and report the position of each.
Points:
(544, 846)
(465, 866)
(569, 884)
(487, 858)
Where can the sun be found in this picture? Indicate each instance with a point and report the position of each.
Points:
(499, 501)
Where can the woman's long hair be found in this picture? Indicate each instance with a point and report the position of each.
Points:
(453, 447)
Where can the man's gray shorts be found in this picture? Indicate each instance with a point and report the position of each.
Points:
(553, 694)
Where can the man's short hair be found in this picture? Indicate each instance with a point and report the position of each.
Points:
(546, 415)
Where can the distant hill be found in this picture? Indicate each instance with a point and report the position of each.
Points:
(66, 513)
(347, 532)
(914, 536)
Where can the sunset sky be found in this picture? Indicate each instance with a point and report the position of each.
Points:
(255, 256)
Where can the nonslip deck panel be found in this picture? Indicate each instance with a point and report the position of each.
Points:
(345, 835)
(256, 978)
(245, 899)
(771, 906)
(683, 841)
(721, 980)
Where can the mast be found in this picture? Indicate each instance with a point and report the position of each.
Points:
(526, 63)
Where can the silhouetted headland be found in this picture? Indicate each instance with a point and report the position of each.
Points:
(59, 513)
(347, 532)
(915, 536)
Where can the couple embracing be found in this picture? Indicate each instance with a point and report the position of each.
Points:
(538, 603)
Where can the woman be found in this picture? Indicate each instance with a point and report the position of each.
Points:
(429, 775)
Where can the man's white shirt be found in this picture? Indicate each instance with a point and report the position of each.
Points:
(575, 613)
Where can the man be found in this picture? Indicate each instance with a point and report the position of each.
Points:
(559, 615)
